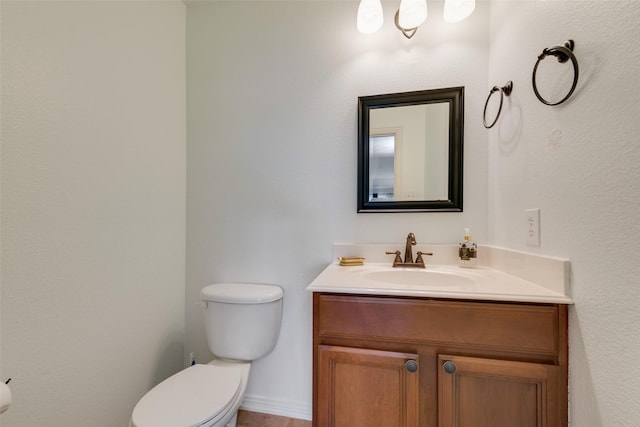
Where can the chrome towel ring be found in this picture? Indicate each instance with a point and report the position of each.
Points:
(563, 54)
(504, 90)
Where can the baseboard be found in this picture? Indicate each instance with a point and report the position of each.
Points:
(282, 407)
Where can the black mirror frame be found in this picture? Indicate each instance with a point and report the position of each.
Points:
(455, 97)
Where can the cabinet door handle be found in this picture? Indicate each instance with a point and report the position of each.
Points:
(411, 365)
(449, 367)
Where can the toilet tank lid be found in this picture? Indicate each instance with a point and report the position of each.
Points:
(242, 293)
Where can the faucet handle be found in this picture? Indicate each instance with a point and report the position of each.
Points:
(419, 259)
(397, 259)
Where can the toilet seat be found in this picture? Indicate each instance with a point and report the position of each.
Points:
(193, 397)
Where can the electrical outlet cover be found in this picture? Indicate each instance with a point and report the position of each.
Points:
(533, 227)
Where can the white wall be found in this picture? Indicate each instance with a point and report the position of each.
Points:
(578, 162)
(93, 182)
(272, 121)
(93, 199)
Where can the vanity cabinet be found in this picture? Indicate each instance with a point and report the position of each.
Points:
(367, 387)
(405, 361)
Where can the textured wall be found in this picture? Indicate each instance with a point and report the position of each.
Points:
(93, 207)
(272, 120)
(578, 162)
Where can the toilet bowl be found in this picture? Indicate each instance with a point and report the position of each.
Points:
(198, 396)
(242, 324)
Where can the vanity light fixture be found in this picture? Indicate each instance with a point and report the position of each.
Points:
(410, 15)
(369, 16)
(458, 10)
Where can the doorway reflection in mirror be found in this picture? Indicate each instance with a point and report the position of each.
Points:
(409, 153)
(382, 148)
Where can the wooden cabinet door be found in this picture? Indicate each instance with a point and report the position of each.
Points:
(366, 388)
(474, 392)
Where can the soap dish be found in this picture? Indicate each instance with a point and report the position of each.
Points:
(351, 260)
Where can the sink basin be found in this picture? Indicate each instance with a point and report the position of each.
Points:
(430, 277)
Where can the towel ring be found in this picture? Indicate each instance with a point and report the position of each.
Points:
(504, 90)
(562, 54)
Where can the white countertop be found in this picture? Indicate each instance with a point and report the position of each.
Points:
(520, 283)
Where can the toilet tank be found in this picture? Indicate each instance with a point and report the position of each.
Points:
(242, 320)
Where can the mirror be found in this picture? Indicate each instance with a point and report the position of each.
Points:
(410, 151)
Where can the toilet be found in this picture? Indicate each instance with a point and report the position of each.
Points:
(242, 324)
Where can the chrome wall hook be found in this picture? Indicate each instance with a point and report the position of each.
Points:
(504, 90)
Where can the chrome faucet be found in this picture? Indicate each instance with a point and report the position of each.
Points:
(408, 255)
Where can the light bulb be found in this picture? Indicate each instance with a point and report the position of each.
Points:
(369, 16)
(412, 13)
(457, 10)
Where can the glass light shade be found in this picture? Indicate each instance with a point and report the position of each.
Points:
(412, 13)
(369, 16)
(457, 10)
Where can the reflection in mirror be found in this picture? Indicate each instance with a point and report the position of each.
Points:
(383, 183)
(421, 161)
(410, 151)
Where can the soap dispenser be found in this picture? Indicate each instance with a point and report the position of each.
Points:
(467, 251)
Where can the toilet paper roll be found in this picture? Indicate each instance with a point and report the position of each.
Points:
(5, 397)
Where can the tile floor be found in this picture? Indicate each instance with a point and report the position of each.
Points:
(255, 419)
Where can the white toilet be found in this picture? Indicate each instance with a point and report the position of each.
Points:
(242, 322)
